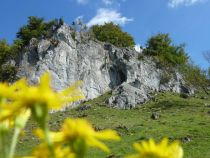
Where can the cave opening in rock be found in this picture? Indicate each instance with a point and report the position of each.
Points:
(117, 76)
(122, 76)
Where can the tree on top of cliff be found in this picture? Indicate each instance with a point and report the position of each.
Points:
(161, 46)
(37, 28)
(112, 33)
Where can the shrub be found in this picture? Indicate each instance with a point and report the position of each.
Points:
(167, 54)
(8, 73)
(112, 33)
(195, 76)
(165, 78)
(37, 28)
(140, 57)
(4, 51)
(7, 52)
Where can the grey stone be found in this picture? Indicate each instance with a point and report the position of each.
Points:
(83, 107)
(126, 96)
(186, 139)
(155, 116)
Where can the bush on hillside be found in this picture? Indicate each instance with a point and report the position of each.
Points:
(7, 52)
(195, 76)
(160, 46)
(112, 33)
(8, 73)
(4, 51)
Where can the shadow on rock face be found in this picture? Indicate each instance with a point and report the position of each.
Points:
(117, 76)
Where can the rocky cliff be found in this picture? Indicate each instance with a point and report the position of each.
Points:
(101, 66)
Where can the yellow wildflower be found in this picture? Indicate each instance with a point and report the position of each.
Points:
(6, 125)
(43, 151)
(162, 150)
(22, 96)
(76, 131)
(43, 94)
(54, 136)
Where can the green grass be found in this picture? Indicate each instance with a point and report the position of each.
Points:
(180, 119)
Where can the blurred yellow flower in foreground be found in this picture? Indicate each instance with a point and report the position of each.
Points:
(21, 96)
(78, 130)
(162, 150)
(6, 125)
(43, 151)
(78, 134)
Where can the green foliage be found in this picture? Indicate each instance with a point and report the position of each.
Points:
(109, 32)
(165, 78)
(195, 76)
(37, 28)
(8, 73)
(161, 47)
(4, 51)
(140, 57)
(7, 52)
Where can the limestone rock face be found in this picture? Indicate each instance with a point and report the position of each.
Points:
(102, 67)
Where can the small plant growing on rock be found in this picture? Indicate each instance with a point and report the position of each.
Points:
(165, 78)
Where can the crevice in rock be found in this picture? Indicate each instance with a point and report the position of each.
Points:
(117, 76)
(33, 57)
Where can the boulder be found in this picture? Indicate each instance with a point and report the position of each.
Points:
(127, 96)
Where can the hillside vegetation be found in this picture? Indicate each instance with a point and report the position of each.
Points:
(170, 57)
(184, 119)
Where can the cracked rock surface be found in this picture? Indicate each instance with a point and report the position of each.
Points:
(101, 66)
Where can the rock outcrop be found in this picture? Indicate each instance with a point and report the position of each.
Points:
(101, 66)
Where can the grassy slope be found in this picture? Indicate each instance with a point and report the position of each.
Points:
(180, 118)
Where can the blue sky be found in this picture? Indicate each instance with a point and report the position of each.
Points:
(187, 21)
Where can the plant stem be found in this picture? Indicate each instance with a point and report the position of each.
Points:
(3, 145)
(47, 137)
(14, 142)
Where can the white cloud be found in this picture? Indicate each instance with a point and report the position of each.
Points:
(82, 1)
(138, 48)
(107, 2)
(176, 3)
(108, 15)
